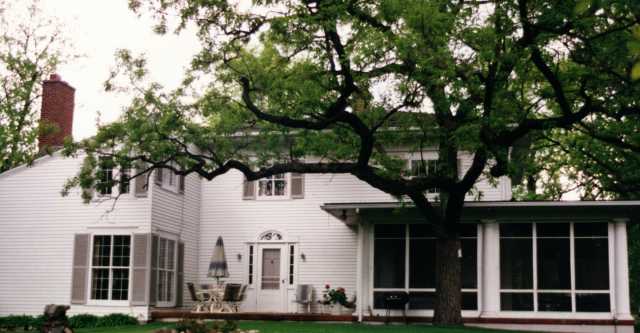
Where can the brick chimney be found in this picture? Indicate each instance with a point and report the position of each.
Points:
(57, 112)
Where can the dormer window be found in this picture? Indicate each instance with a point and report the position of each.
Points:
(424, 168)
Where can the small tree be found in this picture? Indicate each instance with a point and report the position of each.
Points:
(336, 86)
(31, 48)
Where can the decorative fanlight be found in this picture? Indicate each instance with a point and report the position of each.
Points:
(271, 236)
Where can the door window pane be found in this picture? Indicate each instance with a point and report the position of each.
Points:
(516, 263)
(553, 263)
(516, 301)
(271, 269)
(592, 263)
(554, 302)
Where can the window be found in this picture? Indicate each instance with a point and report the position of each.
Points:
(166, 270)
(104, 181)
(404, 260)
(291, 264)
(251, 259)
(106, 177)
(125, 181)
(169, 180)
(424, 168)
(559, 267)
(272, 186)
(110, 267)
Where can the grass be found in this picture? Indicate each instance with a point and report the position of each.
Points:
(307, 327)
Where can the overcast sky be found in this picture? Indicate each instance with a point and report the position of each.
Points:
(97, 28)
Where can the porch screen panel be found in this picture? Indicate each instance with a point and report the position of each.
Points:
(422, 259)
(389, 256)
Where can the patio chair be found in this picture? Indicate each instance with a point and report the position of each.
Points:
(304, 295)
(234, 305)
(200, 299)
(230, 296)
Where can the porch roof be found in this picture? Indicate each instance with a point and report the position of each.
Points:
(491, 211)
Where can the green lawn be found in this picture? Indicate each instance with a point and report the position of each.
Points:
(306, 327)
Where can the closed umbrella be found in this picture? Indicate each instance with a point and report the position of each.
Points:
(218, 265)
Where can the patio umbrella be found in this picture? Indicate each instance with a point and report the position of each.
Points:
(218, 265)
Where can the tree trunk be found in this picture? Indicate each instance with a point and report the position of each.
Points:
(448, 303)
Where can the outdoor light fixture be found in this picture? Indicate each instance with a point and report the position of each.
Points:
(239, 256)
(303, 257)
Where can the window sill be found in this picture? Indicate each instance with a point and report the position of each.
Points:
(107, 303)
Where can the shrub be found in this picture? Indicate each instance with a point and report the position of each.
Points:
(229, 326)
(83, 321)
(191, 326)
(11, 323)
(116, 319)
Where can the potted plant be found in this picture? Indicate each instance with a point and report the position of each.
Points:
(336, 300)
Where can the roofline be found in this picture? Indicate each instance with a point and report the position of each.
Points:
(35, 162)
(488, 204)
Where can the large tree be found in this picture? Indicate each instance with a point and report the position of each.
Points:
(31, 48)
(336, 86)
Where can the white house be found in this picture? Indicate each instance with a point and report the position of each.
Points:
(554, 266)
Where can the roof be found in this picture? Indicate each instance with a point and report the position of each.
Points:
(492, 211)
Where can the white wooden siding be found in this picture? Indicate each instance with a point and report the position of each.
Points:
(179, 214)
(37, 227)
(329, 245)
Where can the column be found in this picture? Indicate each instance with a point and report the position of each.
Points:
(360, 265)
(490, 279)
(621, 272)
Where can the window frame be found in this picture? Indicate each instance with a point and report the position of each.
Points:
(477, 290)
(287, 187)
(426, 162)
(109, 301)
(535, 291)
(173, 291)
(116, 173)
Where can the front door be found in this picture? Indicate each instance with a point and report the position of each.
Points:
(271, 283)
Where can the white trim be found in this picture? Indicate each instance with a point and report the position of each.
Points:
(109, 301)
(622, 308)
(535, 291)
(287, 189)
(359, 273)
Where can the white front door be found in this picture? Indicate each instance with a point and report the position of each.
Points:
(271, 278)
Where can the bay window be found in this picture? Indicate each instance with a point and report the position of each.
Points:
(405, 260)
(559, 267)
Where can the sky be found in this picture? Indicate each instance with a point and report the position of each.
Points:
(96, 29)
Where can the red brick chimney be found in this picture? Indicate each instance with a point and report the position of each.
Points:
(57, 112)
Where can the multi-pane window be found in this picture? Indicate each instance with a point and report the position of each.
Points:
(561, 267)
(125, 181)
(166, 270)
(110, 267)
(291, 264)
(424, 168)
(405, 260)
(273, 186)
(104, 181)
(251, 259)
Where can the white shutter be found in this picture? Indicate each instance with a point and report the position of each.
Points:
(80, 270)
(140, 275)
